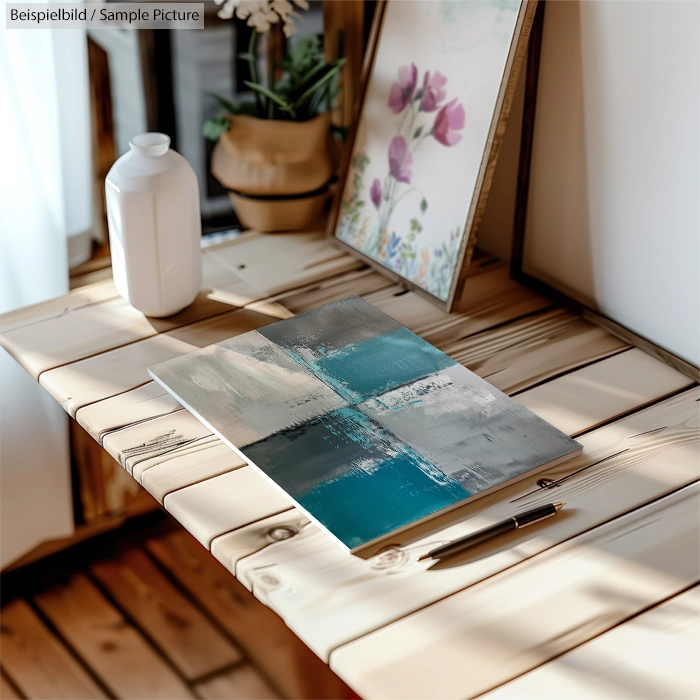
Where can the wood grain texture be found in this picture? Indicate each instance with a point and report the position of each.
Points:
(37, 662)
(79, 325)
(243, 683)
(104, 487)
(60, 306)
(300, 299)
(269, 644)
(585, 398)
(484, 636)
(492, 298)
(179, 629)
(96, 378)
(152, 438)
(251, 539)
(107, 642)
(134, 406)
(653, 655)
(505, 333)
(8, 690)
(109, 373)
(328, 598)
(273, 264)
(186, 466)
(224, 503)
(343, 29)
(530, 350)
(90, 330)
(361, 282)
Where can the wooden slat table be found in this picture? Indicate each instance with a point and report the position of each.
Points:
(556, 610)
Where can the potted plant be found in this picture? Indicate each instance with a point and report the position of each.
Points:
(273, 151)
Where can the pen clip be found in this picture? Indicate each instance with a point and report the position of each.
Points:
(532, 522)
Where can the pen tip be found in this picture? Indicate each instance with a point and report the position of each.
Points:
(559, 506)
(425, 556)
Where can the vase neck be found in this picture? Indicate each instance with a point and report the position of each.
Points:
(150, 144)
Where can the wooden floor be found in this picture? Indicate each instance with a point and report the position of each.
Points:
(145, 612)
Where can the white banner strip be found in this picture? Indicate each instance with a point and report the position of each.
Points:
(99, 15)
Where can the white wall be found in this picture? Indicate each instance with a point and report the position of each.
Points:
(614, 206)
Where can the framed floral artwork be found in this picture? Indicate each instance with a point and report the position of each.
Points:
(440, 78)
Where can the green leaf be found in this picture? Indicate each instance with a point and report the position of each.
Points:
(417, 132)
(334, 70)
(213, 128)
(339, 133)
(246, 56)
(277, 99)
(248, 108)
(305, 53)
(226, 104)
(423, 205)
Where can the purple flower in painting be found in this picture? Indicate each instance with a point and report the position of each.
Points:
(433, 91)
(449, 120)
(402, 91)
(375, 192)
(399, 160)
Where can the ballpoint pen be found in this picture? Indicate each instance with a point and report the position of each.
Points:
(515, 522)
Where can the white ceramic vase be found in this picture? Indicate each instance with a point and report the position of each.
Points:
(154, 227)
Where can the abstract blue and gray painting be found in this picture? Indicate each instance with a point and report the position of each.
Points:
(365, 425)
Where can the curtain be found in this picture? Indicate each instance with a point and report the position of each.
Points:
(45, 197)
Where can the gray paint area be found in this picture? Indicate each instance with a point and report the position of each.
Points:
(476, 434)
(321, 331)
(246, 388)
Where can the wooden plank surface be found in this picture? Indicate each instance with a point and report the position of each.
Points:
(108, 373)
(95, 378)
(179, 629)
(573, 374)
(260, 632)
(105, 488)
(37, 662)
(135, 406)
(497, 630)
(186, 466)
(108, 643)
(530, 351)
(274, 264)
(329, 599)
(53, 308)
(90, 330)
(582, 399)
(653, 655)
(275, 657)
(7, 690)
(243, 683)
(300, 299)
(136, 443)
(492, 298)
(61, 331)
(224, 503)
